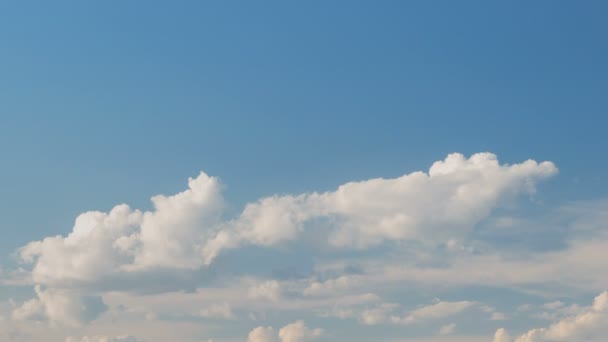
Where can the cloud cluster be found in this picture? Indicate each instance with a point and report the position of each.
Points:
(182, 239)
(590, 325)
(185, 231)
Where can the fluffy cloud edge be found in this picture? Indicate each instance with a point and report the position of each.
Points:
(590, 325)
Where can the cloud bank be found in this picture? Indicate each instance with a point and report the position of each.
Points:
(365, 253)
(186, 230)
(590, 325)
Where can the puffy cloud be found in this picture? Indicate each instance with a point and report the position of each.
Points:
(123, 338)
(177, 241)
(591, 325)
(262, 334)
(298, 332)
(502, 335)
(123, 240)
(185, 231)
(293, 332)
(89, 252)
(60, 307)
(31, 310)
(439, 205)
(455, 194)
(172, 234)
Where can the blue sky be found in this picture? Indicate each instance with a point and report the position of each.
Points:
(114, 102)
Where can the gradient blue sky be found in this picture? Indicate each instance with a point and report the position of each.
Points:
(113, 102)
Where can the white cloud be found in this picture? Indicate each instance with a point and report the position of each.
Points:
(184, 231)
(298, 332)
(31, 310)
(591, 325)
(60, 307)
(102, 244)
(262, 334)
(502, 335)
(439, 205)
(293, 332)
(172, 247)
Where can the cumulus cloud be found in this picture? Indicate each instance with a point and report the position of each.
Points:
(60, 307)
(591, 325)
(442, 204)
(123, 240)
(434, 211)
(502, 335)
(262, 334)
(298, 332)
(293, 332)
(176, 242)
(185, 231)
